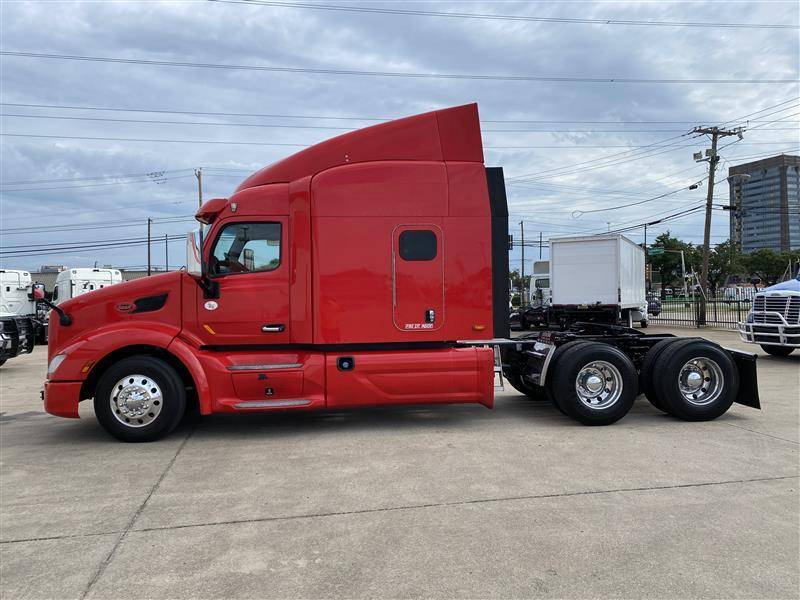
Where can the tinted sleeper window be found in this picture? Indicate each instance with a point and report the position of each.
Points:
(417, 245)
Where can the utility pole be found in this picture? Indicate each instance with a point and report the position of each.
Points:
(166, 252)
(646, 281)
(713, 159)
(522, 268)
(198, 172)
(540, 244)
(149, 222)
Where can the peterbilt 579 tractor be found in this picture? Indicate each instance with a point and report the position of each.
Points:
(370, 269)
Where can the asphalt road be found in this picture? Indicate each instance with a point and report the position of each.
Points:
(443, 501)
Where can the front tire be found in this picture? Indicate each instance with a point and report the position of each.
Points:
(776, 350)
(140, 399)
(594, 383)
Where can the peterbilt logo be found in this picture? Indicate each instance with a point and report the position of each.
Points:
(125, 306)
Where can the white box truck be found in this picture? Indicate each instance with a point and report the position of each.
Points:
(597, 278)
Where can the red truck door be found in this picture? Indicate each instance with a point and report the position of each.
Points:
(248, 259)
(418, 277)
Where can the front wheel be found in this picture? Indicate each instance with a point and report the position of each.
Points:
(140, 399)
(776, 350)
(594, 383)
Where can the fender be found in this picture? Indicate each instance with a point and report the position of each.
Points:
(187, 355)
(88, 350)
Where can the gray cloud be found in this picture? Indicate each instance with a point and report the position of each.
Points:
(238, 34)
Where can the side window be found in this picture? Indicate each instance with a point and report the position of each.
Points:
(417, 244)
(246, 248)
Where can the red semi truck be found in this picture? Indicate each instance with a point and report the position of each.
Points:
(370, 269)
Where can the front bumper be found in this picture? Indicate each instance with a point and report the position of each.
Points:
(61, 398)
(770, 334)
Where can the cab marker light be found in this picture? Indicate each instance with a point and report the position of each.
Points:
(478, 327)
(87, 366)
(208, 329)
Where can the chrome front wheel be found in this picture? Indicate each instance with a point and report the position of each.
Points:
(140, 399)
(136, 400)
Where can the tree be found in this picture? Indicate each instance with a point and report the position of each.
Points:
(768, 265)
(516, 284)
(723, 262)
(668, 264)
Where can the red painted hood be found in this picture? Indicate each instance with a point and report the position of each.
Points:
(117, 303)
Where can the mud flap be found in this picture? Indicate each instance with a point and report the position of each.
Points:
(748, 377)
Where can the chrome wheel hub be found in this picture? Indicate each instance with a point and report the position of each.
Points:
(599, 385)
(136, 400)
(700, 381)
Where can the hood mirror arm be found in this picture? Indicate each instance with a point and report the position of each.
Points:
(63, 318)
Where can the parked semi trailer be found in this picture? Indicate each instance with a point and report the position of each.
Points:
(19, 324)
(369, 269)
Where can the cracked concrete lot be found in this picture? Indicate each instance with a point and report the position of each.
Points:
(431, 501)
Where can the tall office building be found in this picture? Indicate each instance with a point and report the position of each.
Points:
(767, 193)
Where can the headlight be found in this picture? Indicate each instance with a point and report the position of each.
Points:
(57, 360)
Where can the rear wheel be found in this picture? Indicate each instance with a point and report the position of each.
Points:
(140, 399)
(594, 383)
(776, 350)
(697, 380)
(514, 378)
(647, 372)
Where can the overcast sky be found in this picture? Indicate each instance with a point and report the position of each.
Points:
(56, 180)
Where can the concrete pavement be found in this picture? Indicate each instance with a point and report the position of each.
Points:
(443, 501)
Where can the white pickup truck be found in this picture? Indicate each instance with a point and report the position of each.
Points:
(774, 319)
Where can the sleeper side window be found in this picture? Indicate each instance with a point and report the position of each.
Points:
(246, 248)
(417, 244)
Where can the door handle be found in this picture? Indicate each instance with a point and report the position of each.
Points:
(273, 328)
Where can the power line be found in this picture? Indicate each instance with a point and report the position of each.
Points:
(342, 118)
(332, 128)
(399, 74)
(294, 145)
(501, 17)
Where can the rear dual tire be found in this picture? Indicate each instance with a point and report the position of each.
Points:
(593, 383)
(690, 379)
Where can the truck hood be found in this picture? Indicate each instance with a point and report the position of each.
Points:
(127, 305)
(792, 285)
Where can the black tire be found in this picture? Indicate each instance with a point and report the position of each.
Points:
(776, 350)
(558, 354)
(718, 378)
(646, 372)
(3, 361)
(165, 409)
(568, 370)
(534, 392)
